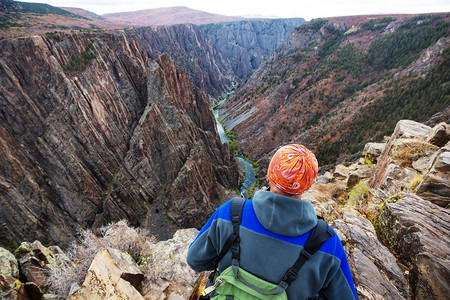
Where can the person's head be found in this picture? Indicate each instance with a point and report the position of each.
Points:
(292, 170)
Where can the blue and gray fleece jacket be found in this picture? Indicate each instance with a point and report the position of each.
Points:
(273, 231)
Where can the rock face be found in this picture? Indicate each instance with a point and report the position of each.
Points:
(307, 92)
(376, 272)
(161, 273)
(112, 275)
(419, 232)
(435, 186)
(86, 141)
(215, 56)
(407, 153)
(412, 261)
(8, 264)
(244, 44)
(401, 147)
(9, 273)
(167, 274)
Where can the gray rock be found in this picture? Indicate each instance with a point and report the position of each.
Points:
(8, 289)
(424, 164)
(408, 129)
(166, 270)
(362, 172)
(419, 232)
(324, 179)
(32, 267)
(435, 187)
(440, 135)
(376, 272)
(372, 151)
(341, 172)
(112, 275)
(405, 130)
(107, 143)
(442, 163)
(8, 264)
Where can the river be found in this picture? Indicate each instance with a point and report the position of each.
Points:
(249, 174)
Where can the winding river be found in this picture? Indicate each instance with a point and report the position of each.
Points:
(249, 175)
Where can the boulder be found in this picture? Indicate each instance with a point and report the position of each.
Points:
(324, 179)
(375, 270)
(372, 151)
(167, 273)
(435, 186)
(341, 172)
(33, 291)
(35, 261)
(8, 264)
(399, 152)
(112, 275)
(32, 267)
(442, 163)
(362, 172)
(8, 287)
(419, 232)
(424, 164)
(409, 128)
(440, 134)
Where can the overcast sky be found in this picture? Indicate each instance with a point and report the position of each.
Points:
(281, 8)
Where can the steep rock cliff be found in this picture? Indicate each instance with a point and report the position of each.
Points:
(216, 56)
(338, 83)
(92, 130)
(244, 44)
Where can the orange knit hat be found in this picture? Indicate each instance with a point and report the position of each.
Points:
(293, 169)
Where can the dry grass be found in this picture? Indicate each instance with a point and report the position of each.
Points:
(415, 181)
(358, 193)
(71, 268)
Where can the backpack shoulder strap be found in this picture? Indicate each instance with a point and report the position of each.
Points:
(319, 235)
(236, 208)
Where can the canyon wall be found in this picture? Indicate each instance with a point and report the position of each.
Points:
(93, 130)
(339, 83)
(217, 56)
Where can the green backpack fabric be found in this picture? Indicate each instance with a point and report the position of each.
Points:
(231, 286)
(235, 283)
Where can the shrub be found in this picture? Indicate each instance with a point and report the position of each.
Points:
(72, 267)
(415, 181)
(358, 193)
(412, 151)
(80, 62)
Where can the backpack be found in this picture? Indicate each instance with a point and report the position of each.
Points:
(236, 283)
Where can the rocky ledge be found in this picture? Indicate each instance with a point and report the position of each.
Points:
(397, 242)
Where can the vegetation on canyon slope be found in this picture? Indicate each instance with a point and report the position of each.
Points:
(340, 87)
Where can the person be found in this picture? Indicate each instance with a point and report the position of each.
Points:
(275, 225)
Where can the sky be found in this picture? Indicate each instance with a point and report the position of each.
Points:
(279, 8)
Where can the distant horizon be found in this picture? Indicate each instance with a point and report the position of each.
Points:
(278, 9)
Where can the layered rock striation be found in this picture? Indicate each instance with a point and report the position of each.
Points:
(217, 56)
(332, 86)
(93, 130)
(397, 242)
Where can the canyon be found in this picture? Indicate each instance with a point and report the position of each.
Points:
(339, 83)
(97, 127)
(109, 125)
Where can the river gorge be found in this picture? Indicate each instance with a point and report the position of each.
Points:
(247, 166)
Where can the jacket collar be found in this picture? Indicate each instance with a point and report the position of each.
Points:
(284, 215)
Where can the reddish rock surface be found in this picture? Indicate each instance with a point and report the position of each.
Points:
(120, 137)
